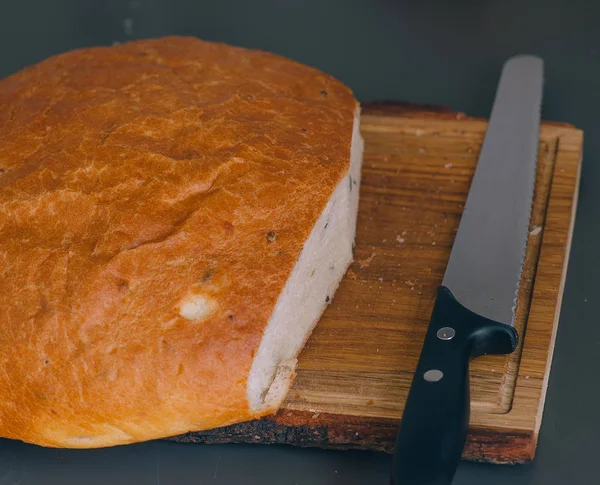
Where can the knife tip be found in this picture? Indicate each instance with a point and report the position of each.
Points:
(525, 61)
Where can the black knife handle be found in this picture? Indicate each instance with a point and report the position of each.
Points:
(435, 422)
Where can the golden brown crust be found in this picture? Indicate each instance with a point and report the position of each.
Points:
(133, 178)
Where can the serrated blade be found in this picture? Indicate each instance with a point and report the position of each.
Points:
(484, 270)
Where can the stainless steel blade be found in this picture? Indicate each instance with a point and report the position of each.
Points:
(484, 270)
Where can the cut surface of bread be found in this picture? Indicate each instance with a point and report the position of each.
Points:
(175, 216)
(324, 259)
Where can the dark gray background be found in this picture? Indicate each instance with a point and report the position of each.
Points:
(427, 51)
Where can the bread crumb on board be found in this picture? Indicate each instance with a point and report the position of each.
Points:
(364, 263)
(535, 231)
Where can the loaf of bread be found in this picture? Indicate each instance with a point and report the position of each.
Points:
(175, 215)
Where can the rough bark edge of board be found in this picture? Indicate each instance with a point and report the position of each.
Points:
(347, 432)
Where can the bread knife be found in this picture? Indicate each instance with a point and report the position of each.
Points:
(474, 309)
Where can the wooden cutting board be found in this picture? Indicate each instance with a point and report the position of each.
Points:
(354, 374)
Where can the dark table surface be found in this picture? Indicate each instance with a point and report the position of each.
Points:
(446, 53)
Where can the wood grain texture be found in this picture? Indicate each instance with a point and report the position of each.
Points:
(354, 374)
